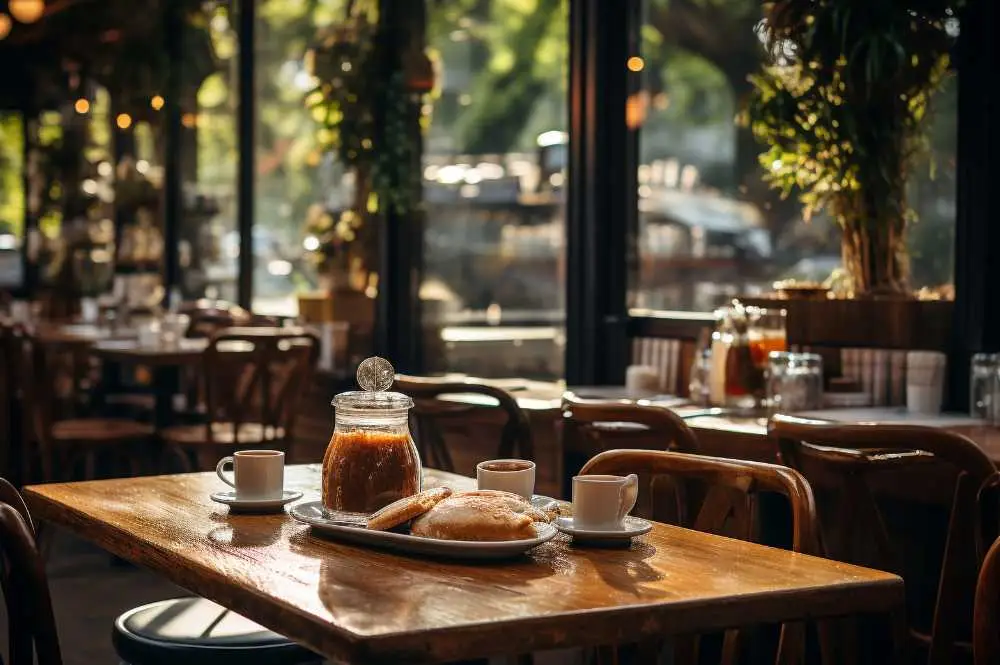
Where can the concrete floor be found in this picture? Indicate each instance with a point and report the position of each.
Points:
(88, 593)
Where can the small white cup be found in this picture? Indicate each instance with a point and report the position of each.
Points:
(259, 474)
(507, 475)
(641, 379)
(923, 399)
(601, 503)
(90, 311)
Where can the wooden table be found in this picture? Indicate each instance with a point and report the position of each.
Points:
(368, 606)
(163, 361)
(186, 352)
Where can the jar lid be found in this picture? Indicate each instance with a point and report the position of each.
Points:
(375, 376)
(372, 401)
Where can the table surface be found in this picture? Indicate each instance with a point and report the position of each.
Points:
(546, 398)
(187, 351)
(365, 605)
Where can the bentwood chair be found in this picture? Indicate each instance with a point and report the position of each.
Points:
(60, 433)
(252, 378)
(720, 496)
(430, 414)
(590, 427)
(906, 499)
(986, 638)
(193, 631)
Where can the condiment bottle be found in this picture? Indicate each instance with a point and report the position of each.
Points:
(371, 460)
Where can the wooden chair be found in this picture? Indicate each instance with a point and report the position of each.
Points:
(429, 413)
(853, 468)
(252, 378)
(986, 638)
(31, 623)
(59, 433)
(590, 427)
(728, 491)
(169, 631)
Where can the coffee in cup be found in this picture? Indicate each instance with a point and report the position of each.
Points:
(258, 475)
(507, 475)
(600, 503)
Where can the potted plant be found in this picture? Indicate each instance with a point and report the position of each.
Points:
(841, 109)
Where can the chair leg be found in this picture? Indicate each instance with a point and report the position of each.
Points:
(44, 535)
(90, 465)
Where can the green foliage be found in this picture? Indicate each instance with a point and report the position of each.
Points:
(362, 106)
(842, 112)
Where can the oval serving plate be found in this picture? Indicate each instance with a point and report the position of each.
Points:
(312, 513)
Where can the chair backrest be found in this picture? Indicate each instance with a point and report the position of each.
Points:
(429, 413)
(672, 359)
(55, 375)
(592, 426)
(253, 377)
(986, 635)
(31, 623)
(854, 468)
(731, 491)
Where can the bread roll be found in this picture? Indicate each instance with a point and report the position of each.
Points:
(478, 516)
(405, 509)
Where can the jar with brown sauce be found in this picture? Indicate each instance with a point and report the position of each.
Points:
(371, 460)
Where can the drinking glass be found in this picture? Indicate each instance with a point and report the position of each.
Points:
(767, 333)
(701, 372)
(984, 400)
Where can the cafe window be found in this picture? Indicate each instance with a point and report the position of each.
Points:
(494, 170)
(209, 240)
(710, 228)
(11, 198)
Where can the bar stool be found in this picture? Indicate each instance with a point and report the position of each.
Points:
(196, 631)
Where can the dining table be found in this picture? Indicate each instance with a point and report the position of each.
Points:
(368, 606)
(164, 361)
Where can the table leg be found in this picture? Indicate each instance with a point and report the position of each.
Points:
(166, 383)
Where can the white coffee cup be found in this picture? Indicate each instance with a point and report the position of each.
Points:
(258, 474)
(601, 502)
(507, 475)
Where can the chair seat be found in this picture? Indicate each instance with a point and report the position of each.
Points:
(195, 631)
(222, 434)
(100, 430)
(142, 401)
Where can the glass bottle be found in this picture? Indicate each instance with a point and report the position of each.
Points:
(371, 460)
(983, 386)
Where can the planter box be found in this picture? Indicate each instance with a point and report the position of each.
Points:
(882, 324)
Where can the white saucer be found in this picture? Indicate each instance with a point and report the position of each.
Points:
(632, 526)
(255, 505)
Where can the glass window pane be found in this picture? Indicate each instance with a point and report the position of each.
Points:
(293, 173)
(492, 291)
(710, 227)
(11, 199)
(209, 239)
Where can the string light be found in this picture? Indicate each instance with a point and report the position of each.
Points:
(26, 11)
(124, 121)
(82, 106)
(5, 25)
(635, 64)
(157, 102)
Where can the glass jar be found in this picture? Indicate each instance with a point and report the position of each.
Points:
(722, 337)
(371, 460)
(984, 400)
(794, 382)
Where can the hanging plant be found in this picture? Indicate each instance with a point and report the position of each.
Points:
(842, 110)
(363, 102)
